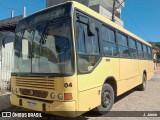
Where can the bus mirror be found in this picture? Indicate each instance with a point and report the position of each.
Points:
(91, 29)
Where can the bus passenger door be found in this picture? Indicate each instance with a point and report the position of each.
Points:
(88, 63)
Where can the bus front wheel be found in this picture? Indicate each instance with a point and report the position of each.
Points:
(107, 99)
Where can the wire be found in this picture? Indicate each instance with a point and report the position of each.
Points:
(138, 28)
(27, 3)
(115, 8)
(147, 4)
(9, 8)
(119, 4)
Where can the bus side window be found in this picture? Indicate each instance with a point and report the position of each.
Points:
(109, 46)
(149, 53)
(87, 48)
(140, 50)
(133, 48)
(122, 45)
(145, 52)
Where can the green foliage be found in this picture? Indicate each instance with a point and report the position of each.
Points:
(158, 44)
(155, 44)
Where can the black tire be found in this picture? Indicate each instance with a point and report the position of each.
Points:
(142, 86)
(107, 100)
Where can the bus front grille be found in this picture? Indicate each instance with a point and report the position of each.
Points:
(36, 82)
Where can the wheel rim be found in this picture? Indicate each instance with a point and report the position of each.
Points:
(106, 98)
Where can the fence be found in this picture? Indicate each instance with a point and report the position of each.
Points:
(5, 70)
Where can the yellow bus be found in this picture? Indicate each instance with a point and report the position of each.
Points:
(68, 60)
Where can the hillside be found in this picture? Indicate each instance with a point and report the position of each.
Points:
(155, 44)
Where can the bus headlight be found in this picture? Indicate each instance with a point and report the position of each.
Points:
(52, 95)
(60, 96)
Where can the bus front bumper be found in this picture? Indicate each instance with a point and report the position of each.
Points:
(66, 109)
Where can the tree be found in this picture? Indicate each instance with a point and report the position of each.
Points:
(158, 44)
(155, 44)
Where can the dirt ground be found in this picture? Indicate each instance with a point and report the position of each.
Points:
(148, 100)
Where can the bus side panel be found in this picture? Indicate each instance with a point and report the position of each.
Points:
(129, 72)
(150, 69)
(146, 65)
(90, 84)
(142, 68)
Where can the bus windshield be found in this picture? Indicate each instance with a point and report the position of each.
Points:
(44, 48)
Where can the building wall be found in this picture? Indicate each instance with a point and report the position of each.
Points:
(6, 53)
(101, 10)
(6, 59)
(104, 7)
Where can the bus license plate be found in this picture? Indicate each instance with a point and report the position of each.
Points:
(32, 104)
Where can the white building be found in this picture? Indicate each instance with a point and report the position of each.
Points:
(104, 7)
(7, 35)
(6, 55)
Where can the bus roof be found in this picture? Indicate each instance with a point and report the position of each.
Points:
(87, 10)
(107, 21)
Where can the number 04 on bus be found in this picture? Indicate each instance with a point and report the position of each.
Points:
(69, 59)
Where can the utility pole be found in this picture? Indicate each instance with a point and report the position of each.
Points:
(113, 10)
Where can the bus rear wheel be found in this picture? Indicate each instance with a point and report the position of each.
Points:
(107, 99)
(142, 86)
